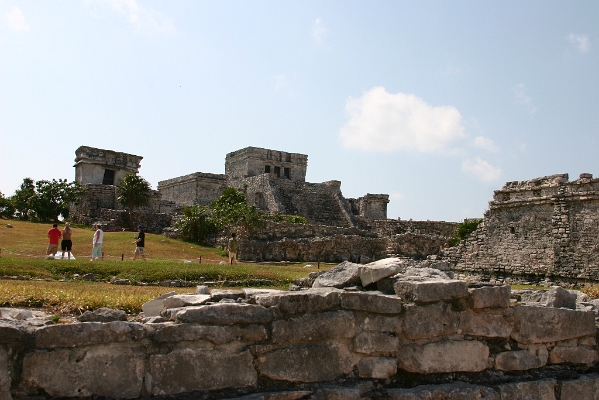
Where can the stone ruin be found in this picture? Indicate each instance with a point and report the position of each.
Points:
(274, 181)
(392, 329)
(542, 230)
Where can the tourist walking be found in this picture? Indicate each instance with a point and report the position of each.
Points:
(97, 243)
(66, 244)
(140, 243)
(53, 236)
(232, 247)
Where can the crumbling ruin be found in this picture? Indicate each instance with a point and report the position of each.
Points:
(540, 230)
(422, 335)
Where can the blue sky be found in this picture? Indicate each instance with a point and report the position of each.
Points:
(436, 103)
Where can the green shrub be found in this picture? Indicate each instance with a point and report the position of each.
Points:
(463, 230)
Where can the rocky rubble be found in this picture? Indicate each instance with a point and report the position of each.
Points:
(428, 337)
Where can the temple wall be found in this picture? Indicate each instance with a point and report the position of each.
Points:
(188, 190)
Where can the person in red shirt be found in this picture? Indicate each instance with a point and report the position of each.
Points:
(53, 234)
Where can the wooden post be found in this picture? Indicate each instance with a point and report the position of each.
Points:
(318, 262)
(200, 259)
(122, 256)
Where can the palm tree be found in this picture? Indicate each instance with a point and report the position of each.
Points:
(133, 191)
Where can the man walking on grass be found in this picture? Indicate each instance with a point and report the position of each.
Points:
(53, 234)
(232, 247)
(140, 242)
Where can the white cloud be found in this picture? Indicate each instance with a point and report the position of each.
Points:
(396, 196)
(16, 20)
(582, 42)
(481, 169)
(318, 30)
(523, 99)
(381, 121)
(485, 143)
(144, 20)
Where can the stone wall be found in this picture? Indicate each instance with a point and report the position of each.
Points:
(91, 164)
(197, 188)
(370, 206)
(252, 161)
(545, 229)
(433, 340)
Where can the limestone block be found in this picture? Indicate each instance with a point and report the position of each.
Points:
(233, 294)
(375, 271)
(442, 357)
(304, 302)
(490, 296)
(428, 321)
(86, 334)
(449, 391)
(10, 334)
(103, 314)
(341, 393)
(185, 300)
(377, 367)
(310, 327)
(559, 297)
(152, 308)
(543, 390)
(189, 369)
(114, 372)
(342, 275)
(584, 388)
(173, 333)
(379, 323)
(521, 360)
(486, 324)
(306, 363)
(572, 355)
(371, 302)
(251, 293)
(225, 314)
(544, 324)
(375, 342)
(202, 289)
(429, 290)
(5, 380)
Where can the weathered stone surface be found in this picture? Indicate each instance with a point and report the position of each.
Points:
(202, 289)
(542, 390)
(371, 302)
(103, 315)
(114, 372)
(375, 271)
(174, 333)
(490, 296)
(304, 302)
(322, 326)
(427, 321)
(342, 275)
(225, 314)
(308, 363)
(377, 367)
(233, 294)
(379, 323)
(5, 380)
(189, 369)
(449, 391)
(185, 300)
(341, 393)
(87, 334)
(424, 290)
(447, 356)
(152, 308)
(521, 360)
(584, 388)
(572, 355)
(10, 334)
(559, 297)
(486, 324)
(541, 325)
(251, 293)
(301, 394)
(375, 342)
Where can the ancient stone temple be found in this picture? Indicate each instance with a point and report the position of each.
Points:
(541, 229)
(103, 167)
(275, 181)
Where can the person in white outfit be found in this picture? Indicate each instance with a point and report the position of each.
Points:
(97, 243)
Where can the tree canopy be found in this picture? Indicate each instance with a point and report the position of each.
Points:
(133, 191)
(45, 200)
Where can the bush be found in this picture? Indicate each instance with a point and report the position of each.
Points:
(196, 224)
(463, 230)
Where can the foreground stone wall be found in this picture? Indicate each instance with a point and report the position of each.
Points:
(545, 229)
(431, 339)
